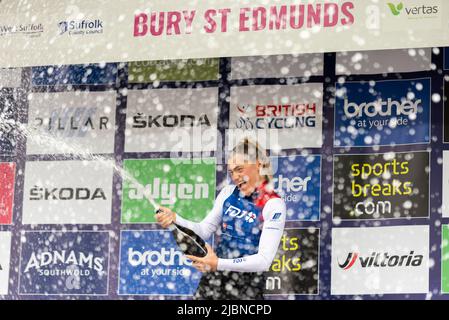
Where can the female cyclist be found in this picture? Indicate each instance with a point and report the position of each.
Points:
(251, 218)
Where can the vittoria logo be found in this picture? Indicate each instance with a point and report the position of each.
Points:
(38, 193)
(382, 260)
(169, 121)
(276, 116)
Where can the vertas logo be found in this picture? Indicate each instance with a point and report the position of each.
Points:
(64, 262)
(413, 12)
(80, 27)
(382, 260)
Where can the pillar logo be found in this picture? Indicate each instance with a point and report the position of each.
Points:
(298, 181)
(295, 269)
(391, 112)
(381, 186)
(5, 259)
(152, 264)
(72, 118)
(187, 187)
(64, 263)
(380, 260)
(7, 183)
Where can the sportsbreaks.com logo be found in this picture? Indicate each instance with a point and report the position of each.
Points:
(80, 27)
(381, 260)
(286, 116)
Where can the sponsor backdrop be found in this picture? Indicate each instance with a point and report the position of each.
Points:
(356, 139)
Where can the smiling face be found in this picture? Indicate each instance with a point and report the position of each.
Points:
(244, 173)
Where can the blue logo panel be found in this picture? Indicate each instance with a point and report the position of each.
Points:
(152, 264)
(67, 263)
(298, 181)
(75, 74)
(394, 112)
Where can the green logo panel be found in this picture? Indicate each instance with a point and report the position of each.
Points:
(174, 70)
(187, 187)
(445, 260)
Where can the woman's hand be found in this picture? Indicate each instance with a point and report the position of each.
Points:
(206, 264)
(165, 217)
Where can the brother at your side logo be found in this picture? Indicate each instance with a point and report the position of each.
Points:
(64, 263)
(391, 112)
(152, 264)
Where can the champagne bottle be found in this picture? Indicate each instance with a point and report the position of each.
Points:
(188, 241)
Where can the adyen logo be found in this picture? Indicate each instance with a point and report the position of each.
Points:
(152, 264)
(414, 12)
(187, 187)
(80, 27)
(381, 260)
(64, 263)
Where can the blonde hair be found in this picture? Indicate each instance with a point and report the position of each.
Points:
(253, 152)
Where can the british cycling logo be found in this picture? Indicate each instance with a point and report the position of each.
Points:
(272, 116)
(381, 259)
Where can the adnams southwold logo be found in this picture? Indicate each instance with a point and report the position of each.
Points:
(414, 11)
(80, 27)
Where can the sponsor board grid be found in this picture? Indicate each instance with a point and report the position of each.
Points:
(23, 233)
(221, 112)
(353, 81)
(381, 219)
